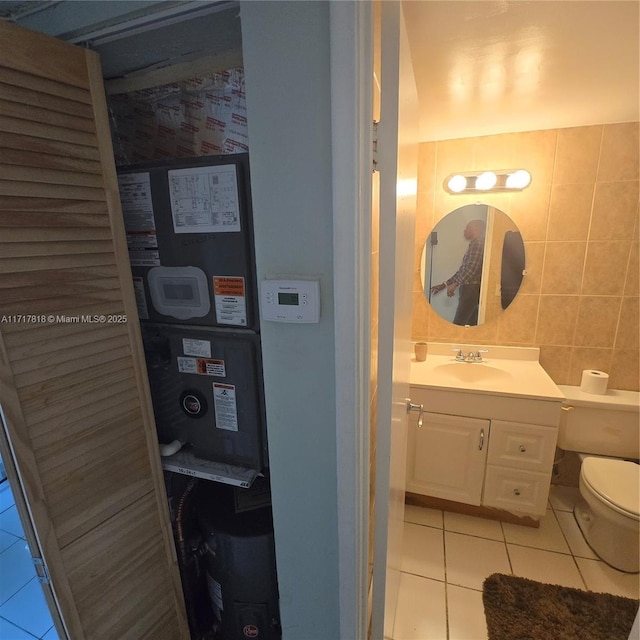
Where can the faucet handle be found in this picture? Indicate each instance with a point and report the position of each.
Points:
(459, 354)
(477, 357)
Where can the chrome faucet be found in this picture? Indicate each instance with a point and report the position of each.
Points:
(471, 356)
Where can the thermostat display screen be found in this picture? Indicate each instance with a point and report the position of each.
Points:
(288, 298)
(178, 291)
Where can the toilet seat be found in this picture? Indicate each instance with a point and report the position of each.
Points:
(614, 482)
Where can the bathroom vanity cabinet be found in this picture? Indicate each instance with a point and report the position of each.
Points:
(483, 443)
(483, 455)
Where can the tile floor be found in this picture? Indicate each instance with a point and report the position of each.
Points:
(24, 614)
(447, 556)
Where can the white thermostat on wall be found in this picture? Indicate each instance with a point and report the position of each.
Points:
(290, 300)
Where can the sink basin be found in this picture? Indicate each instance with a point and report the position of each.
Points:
(471, 372)
(507, 371)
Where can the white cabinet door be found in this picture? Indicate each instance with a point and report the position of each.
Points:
(447, 457)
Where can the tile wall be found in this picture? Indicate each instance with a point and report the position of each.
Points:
(579, 220)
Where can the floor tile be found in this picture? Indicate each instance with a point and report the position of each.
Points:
(422, 515)
(10, 522)
(481, 527)
(6, 496)
(547, 536)
(465, 612)
(599, 576)
(572, 533)
(17, 570)
(9, 631)
(545, 566)
(421, 609)
(6, 540)
(563, 498)
(470, 560)
(52, 634)
(28, 609)
(423, 551)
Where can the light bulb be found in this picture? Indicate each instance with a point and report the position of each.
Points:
(518, 180)
(486, 180)
(457, 183)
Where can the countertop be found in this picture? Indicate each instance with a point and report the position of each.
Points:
(505, 371)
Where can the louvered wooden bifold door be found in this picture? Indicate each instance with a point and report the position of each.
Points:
(73, 389)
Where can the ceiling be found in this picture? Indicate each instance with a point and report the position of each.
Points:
(482, 67)
(498, 66)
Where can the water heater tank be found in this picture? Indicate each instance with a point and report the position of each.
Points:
(240, 566)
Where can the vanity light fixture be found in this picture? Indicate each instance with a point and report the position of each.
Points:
(488, 181)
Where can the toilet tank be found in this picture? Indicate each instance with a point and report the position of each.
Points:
(607, 425)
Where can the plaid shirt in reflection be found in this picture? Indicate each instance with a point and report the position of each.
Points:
(470, 270)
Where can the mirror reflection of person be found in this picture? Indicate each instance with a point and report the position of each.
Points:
(467, 277)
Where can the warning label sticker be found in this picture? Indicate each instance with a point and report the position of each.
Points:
(141, 298)
(144, 258)
(224, 400)
(137, 206)
(139, 222)
(202, 366)
(230, 300)
(211, 368)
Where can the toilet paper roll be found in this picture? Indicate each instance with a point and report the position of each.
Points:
(594, 382)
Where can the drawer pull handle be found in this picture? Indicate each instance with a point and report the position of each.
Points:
(481, 440)
(516, 492)
(522, 448)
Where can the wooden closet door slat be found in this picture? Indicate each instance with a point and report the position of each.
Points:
(73, 389)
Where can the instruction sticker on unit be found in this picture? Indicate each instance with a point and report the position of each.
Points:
(141, 298)
(204, 199)
(192, 347)
(230, 300)
(187, 365)
(224, 400)
(212, 368)
(139, 222)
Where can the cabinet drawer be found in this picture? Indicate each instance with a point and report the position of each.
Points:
(522, 446)
(514, 490)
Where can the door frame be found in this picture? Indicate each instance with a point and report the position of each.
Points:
(352, 164)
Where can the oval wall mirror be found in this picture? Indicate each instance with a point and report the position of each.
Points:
(472, 264)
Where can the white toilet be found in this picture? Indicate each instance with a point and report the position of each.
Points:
(608, 428)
